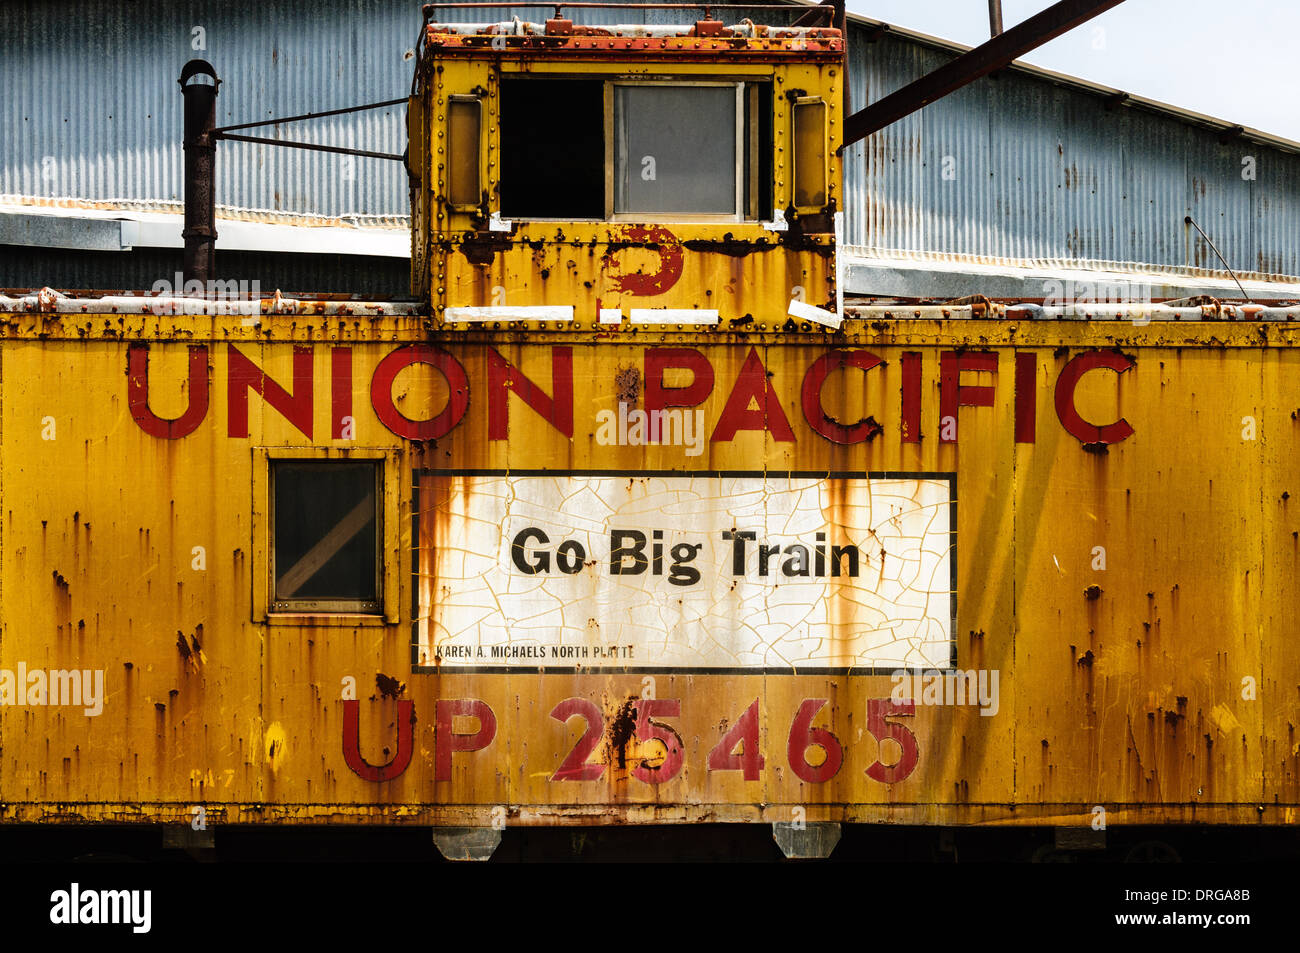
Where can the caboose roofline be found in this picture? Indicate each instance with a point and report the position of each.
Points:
(251, 308)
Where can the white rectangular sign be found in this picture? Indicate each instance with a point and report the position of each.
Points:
(702, 572)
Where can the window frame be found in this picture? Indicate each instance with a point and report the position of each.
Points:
(385, 610)
(738, 167)
(475, 157)
(821, 167)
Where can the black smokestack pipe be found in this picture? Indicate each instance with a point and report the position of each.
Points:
(200, 232)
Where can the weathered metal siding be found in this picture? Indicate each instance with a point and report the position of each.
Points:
(92, 111)
(1123, 686)
(94, 90)
(1045, 173)
(29, 266)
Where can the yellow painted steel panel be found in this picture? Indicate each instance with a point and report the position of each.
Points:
(1126, 687)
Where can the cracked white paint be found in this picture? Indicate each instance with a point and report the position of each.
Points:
(476, 602)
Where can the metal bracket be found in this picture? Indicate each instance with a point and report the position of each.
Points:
(200, 845)
(1079, 838)
(466, 843)
(806, 841)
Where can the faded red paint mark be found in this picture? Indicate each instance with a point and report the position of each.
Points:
(243, 375)
(137, 394)
(1093, 436)
(575, 767)
(753, 405)
(878, 711)
(649, 730)
(804, 736)
(556, 408)
(953, 394)
(659, 359)
(815, 412)
(911, 397)
(744, 734)
(640, 283)
(447, 740)
(352, 742)
(340, 389)
(381, 392)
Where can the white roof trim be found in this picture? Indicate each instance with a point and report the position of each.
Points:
(121, 230)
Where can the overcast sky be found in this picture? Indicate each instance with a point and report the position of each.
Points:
(1232, 59)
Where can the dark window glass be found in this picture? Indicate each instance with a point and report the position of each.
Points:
(758, 156)
(552, 149)
(325, 543)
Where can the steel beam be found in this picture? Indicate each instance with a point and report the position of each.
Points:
(971, 65)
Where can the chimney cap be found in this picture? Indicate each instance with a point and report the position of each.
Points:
(196, 68)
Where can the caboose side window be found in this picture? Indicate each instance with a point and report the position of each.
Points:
(552, 148)
(325, 536)
(675, 151)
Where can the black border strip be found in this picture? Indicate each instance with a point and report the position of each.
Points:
(417, 472)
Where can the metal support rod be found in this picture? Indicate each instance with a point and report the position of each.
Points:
(995, 17)
(311, 146)
(984, 59)
(830, 10)
(200, 231)
(1188, 220)
(328, 112)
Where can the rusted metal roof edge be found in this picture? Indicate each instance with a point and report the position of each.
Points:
(72, 205)
(900, 274)
(250, 311)
(50, 301)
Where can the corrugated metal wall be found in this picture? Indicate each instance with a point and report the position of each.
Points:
(1017, 168)
(1038, 172)
(91, 108)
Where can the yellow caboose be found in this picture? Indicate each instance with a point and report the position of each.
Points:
(628, 517)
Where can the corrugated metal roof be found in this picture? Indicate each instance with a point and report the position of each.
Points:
(1022, 168)
(92, 109)
(870, 29)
